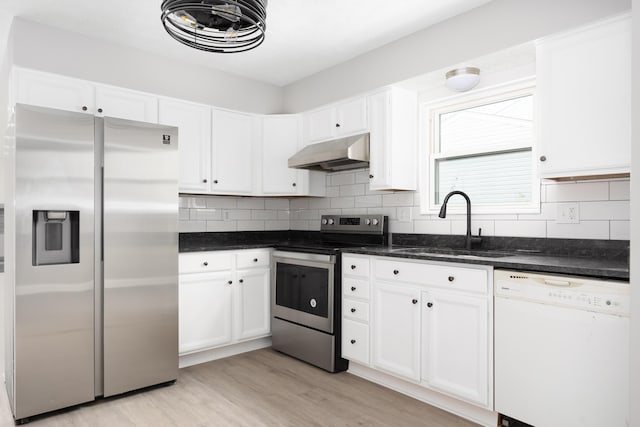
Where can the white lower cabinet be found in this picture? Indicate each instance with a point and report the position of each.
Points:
(227, 306)
(428, 323)
(455, 337)
(396, 329)
(204, 311)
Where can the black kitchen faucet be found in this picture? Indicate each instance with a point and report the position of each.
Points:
(443, 213)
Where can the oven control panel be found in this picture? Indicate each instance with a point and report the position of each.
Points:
(366, 224)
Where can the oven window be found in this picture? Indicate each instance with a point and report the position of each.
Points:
(302, 288)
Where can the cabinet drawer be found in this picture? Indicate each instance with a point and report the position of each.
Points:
(250, 259)
(202, 262)
(358, 288)
(355, 266)
(357, 310)
(355, 341)
(457, 278)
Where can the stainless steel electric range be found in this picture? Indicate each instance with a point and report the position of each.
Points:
(306, 288)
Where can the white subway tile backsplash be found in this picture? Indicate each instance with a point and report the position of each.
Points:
(276, 204)
(276, 225)
(619, 190)
(192, 226)
(607, 210)
(221, 202)
(362, 177)
(299, 203)
(298, 224)
(368, 201)
(619, 230)
(460, 227)
(548, 212)
(521, 228)
(250, 225)
(250, 203)
(398, 199)
(320, 203)
(400, 227)
(333, 191)
(183, 214)
(236, 214)
(352, 190)
(264, 215)
(342, 202)
(578, 191)
(205, 214)
(214, 226)
(442, 226)
(284, 215)
(390, 212)
(343, 179)
(582, 230)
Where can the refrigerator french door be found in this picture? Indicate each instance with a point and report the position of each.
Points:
(93, 304)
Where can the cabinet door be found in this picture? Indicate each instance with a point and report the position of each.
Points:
(53, 91)
(252, 304)
(352, 117)
(455, 353)
(380, 134)
(126, 104)
(585, 110)
(396, 329)
(205, 311)
(321, 124)
(280, 140)
(232, 152)
(194, 142)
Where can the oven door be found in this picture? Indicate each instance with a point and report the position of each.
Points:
(302, 287)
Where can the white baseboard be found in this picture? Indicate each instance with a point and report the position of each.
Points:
(463, 409)
(222, 352)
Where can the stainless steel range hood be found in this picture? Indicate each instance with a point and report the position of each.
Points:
(336, 155)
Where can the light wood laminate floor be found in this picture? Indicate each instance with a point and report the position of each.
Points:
(260, 388)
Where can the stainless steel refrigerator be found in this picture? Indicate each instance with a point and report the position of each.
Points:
(92, 304)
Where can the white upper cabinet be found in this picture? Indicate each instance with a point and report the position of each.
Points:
(584, 95)
(343, 119)
(232, 152)
(194, 142)
(281, 139)
(126, 104)
(54, 91)
(393, 122)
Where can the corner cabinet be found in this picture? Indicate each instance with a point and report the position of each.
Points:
(584, 101)
(426, 323)
(224, 298)
(393, 121)
(194, 142)
(342, 119)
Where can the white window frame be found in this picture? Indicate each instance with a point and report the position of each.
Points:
(429, 133)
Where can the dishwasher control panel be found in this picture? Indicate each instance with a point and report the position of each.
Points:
(571, 291)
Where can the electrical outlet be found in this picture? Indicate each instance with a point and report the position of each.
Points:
(568, 213)
(404, 214)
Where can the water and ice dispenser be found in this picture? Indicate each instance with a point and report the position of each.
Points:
(56, 237)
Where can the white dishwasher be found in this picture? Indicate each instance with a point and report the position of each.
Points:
(561, 350)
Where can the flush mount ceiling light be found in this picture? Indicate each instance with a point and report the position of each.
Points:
(216, 25)
(462, 79)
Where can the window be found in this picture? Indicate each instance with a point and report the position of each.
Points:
(483, 145)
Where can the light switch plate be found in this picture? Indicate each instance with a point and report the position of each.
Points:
(568, 213)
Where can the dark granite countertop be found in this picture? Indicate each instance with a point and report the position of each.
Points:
(595, 258)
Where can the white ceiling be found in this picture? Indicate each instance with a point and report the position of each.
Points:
(303, 36)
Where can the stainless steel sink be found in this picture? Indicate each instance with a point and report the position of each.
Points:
(458, 253)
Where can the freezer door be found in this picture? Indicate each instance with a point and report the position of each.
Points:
(53, 329)
(140, 302)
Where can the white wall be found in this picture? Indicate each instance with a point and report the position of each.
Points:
(489, 28)
(49, 49)
(635, 227)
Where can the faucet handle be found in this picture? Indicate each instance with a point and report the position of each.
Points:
(479, 232)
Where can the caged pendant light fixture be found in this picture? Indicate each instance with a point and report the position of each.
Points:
(223, 26)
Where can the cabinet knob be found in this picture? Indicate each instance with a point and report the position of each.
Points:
(353, 288)
(99, 110)
(396, 272)
(337, 125)
(241, 280)
(293, 185)
(205, 263)
(429, 304)
(215, 181)
(415, 301)
(353, 310)
(84, 108)
(255, 260)
(230, 282)
(353, 267)
(370, 176)
(451, 278)
(543, 158)
(204, 180)
(353, 341)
